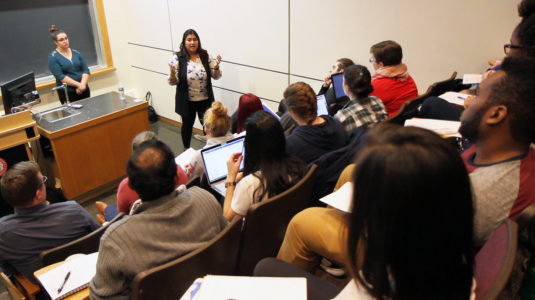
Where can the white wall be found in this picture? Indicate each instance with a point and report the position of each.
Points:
(262, 42)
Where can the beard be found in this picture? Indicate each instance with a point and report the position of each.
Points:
(469, 128)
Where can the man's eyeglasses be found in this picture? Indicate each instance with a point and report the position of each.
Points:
(45, 179)
(507, 48)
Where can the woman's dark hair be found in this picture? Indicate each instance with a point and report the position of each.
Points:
(359, 80)
(248, 104)
(387, 52)
(412, 219)
(343, 63)
(265, 151)
(54, 32)
(300, 97)
(203, 54)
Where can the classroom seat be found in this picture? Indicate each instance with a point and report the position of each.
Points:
(409, 109)
(171, 280)
(84, 245)
(265, 223)
(494, 262)
(20, 288)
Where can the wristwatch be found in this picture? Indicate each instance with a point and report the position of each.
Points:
(230, 183)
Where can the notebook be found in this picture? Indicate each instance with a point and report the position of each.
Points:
(338, 85)
(80, 271)
(322, 105)
(215, 162)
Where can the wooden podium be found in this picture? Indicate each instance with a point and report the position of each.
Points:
(18, 129)
(90, 150)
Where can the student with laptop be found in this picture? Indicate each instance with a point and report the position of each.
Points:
(268, 169)
(217, 125)
(315, 135)
(334, 101)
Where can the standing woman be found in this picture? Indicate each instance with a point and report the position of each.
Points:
(68, 66)
(192, 70)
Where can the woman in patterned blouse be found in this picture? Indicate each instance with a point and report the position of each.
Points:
(191, 71)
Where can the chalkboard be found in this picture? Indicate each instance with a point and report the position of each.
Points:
(25, 41)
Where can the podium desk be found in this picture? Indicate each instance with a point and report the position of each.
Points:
(91, 149)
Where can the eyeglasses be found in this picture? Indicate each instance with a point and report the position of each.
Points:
(44, 179)
(507, 47)
(62, 39)
(372, 60)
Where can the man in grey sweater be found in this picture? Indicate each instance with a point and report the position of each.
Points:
(168, 224)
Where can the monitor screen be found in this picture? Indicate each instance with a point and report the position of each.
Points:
(215, 158)
(18, 91)
(338, 81)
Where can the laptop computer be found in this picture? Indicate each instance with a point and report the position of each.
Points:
(322, 105)
(215, 162)
(267, 109)
(338, 85)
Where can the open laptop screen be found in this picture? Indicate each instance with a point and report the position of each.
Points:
(322, 105)
(215, 158)
(338, 81)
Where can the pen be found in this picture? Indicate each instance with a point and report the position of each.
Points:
(462, 97)
(64, 281)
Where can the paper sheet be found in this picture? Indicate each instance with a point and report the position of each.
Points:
(472, 78)
(185, 157)
(445, 128)
(342, 198)
(82, 270)
(455, 98)
(258, 288)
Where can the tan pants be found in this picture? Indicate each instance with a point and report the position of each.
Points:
(314, 233)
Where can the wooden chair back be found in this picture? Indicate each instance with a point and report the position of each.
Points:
(265, 223)
(85, 245)
(171, 280)
(495, 260)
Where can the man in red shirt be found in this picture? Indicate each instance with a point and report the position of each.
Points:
(391, 82)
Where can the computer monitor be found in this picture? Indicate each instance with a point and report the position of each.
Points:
(19, 91)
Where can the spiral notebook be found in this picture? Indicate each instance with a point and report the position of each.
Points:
(80, 271)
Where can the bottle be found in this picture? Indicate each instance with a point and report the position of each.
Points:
(121, 91)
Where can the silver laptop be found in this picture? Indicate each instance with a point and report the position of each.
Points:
(215, 162)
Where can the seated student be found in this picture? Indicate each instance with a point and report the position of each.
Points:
(36, 226)
(522, 44)
(327, 89)
(409, 235)
(217, 127)
(391, 80)
(126, 196)
(168, 224)
(268, 169)
(315, 135)
(501, 161)
(362, 109)
(249, 103)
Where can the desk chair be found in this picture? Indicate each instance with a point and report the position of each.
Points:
(265, 223)
(440, 87)
(20, 288)
(171, 280)
(85, 245)
(495, 260)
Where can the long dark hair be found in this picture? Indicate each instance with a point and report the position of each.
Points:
(203, 54)
(412, 217)
(265, 151)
